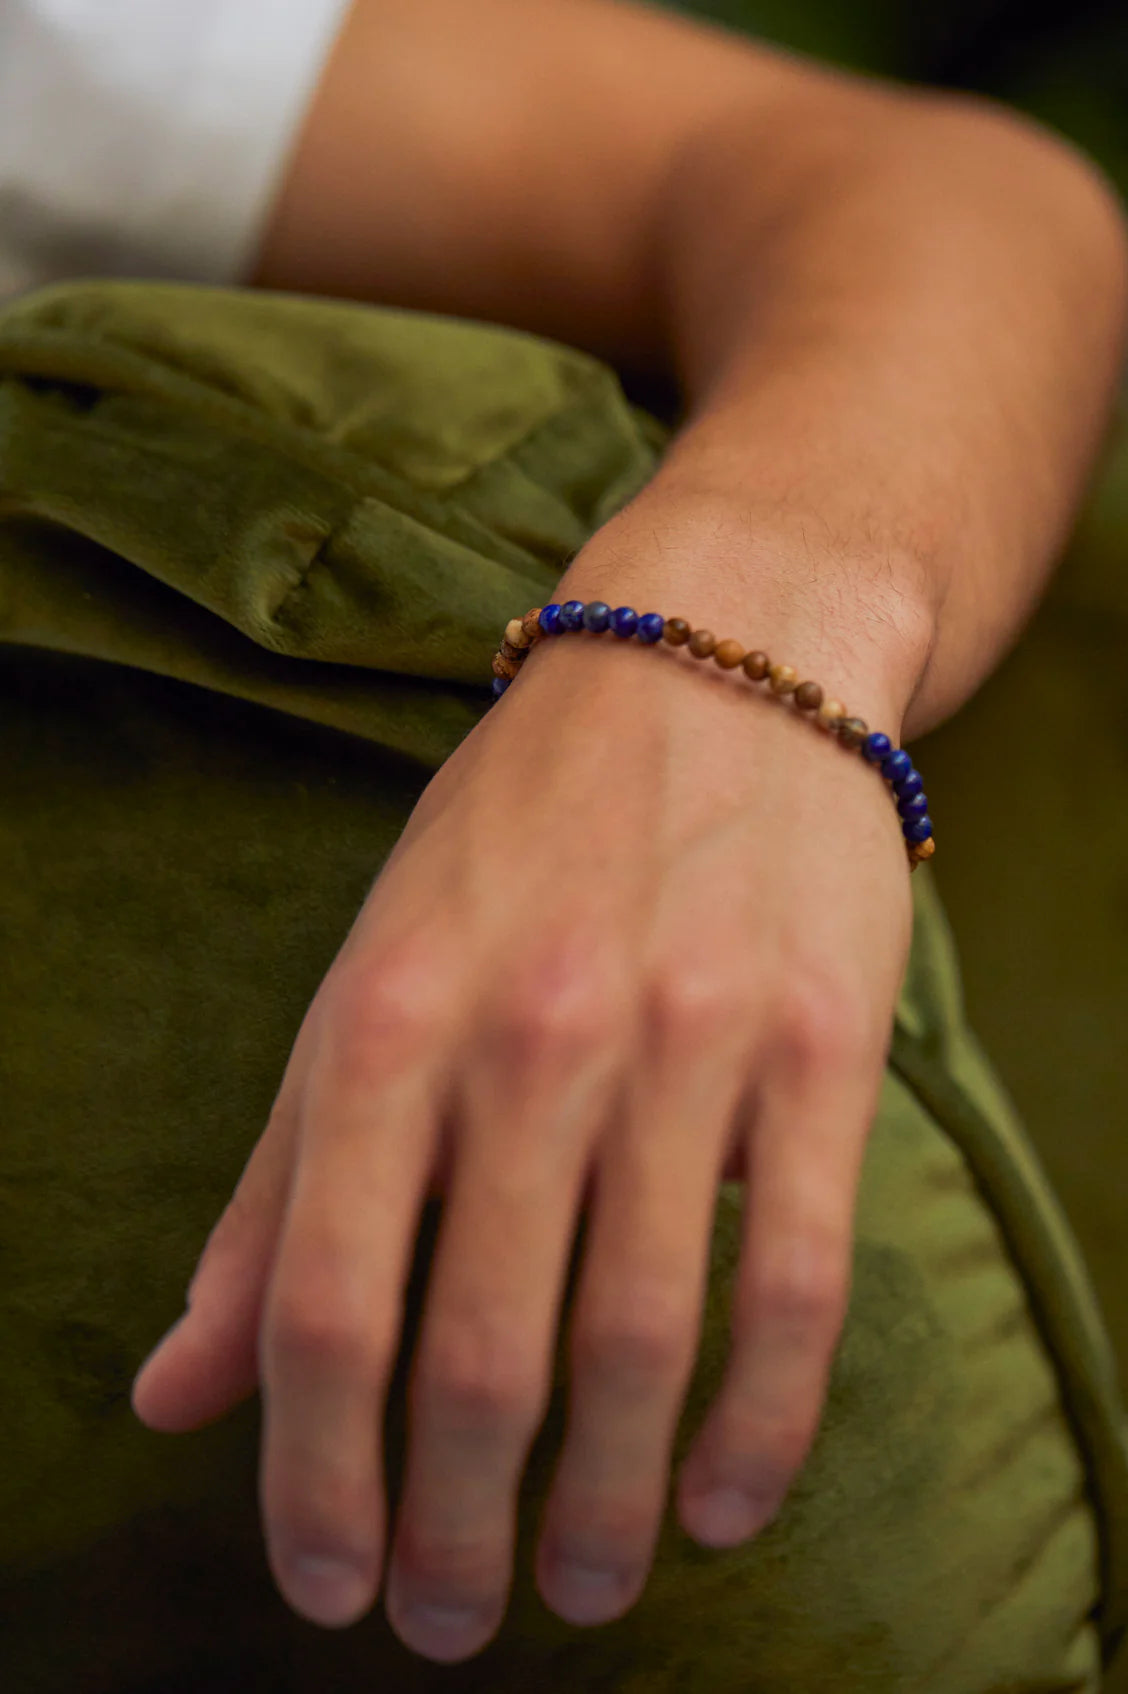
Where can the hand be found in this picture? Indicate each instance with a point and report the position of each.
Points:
(642, 933)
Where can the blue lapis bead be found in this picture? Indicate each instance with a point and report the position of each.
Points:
(650, 627)
(597, 615)
(917, 829)
(624, 620)
(915, 806)
(909, 785)
(549, 619)
(876, 747)
(572, 615)
(500, 684)
(896, 765)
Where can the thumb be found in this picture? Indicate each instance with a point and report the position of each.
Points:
(207, 1363)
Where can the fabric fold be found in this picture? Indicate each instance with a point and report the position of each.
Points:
(255, 556)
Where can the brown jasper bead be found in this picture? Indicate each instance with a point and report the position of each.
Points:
(505, 667)
(702, 643)
(852, 731)
(829, 713)
(923, 849)
(531, 625)
(808, 696)
(509, 651)
(756, 666)
(675, 631)
(728, 654)
(782, 679)
(515, 633)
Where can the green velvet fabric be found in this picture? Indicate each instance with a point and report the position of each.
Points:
(255, 555)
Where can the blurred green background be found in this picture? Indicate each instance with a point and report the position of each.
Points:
(1065, 64)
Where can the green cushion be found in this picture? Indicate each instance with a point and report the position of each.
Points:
(255, 555)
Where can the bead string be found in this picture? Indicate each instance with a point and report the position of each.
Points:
(906, 784)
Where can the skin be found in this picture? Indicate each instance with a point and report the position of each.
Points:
(899, 321)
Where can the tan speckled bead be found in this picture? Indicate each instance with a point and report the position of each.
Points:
(852, 731)
(522, 634)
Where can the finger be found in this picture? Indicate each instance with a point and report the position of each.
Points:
(372, 1114)
(208, 1363)
(637, 1319)
(537, 1089)
(805, 1153)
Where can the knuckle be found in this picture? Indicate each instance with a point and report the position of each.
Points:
(562, 999)
(778, 1453)
(476, 1380)
(764, 1452)
(318, 1335)
(819, 1024)
(648, 1334)
(614, 1529)
(334, 1514)
(470, 1573)
(389, 1007)
(686, 1004)
(808, 1288)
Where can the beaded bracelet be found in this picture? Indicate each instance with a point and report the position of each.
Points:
(522, 634)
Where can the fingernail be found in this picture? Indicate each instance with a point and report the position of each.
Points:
(441, 1626)
(725, 1517)
(441, 1618)
(329, 1590)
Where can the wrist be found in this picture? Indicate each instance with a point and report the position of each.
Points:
(852, 620)
(592, 687)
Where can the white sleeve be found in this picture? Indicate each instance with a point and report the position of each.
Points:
(147, 138)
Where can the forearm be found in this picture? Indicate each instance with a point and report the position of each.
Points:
(898, 319)
(900, 358)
